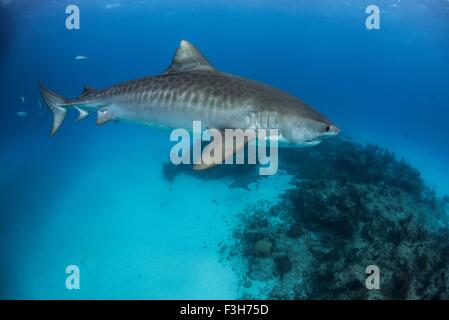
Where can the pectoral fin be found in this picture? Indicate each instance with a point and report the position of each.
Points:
(209, 158)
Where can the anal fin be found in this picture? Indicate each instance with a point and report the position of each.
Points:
(103, 116)
(83, 114)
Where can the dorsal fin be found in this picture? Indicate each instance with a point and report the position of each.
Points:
(88, 90)
(188, 58)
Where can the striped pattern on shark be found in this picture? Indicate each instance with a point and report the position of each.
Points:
(192, 89)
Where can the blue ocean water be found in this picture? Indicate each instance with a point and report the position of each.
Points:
(96, 196)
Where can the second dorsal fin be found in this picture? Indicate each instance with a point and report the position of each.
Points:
(87, 90)
(188, 58)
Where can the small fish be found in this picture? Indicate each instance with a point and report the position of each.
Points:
(80, 58)
(22, 114)
(22, 98)
(112, 5)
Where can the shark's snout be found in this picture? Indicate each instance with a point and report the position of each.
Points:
(332, 130)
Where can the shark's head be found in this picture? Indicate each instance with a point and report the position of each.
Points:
(305, 128)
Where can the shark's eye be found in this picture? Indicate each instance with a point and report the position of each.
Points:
(328, 128)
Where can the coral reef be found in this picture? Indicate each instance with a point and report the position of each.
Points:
(263, 247)
(352, 206)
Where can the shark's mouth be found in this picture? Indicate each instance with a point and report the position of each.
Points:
(299, 144)
(324, 136)
(317, 140)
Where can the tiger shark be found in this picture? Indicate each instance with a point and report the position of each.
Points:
(191, 89)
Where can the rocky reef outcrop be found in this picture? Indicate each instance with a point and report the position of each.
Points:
(351, 206)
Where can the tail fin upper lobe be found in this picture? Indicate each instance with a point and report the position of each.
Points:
(56, 104)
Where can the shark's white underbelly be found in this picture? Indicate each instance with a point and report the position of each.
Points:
(179, 116)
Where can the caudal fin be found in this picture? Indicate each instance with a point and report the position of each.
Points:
(56, 104)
